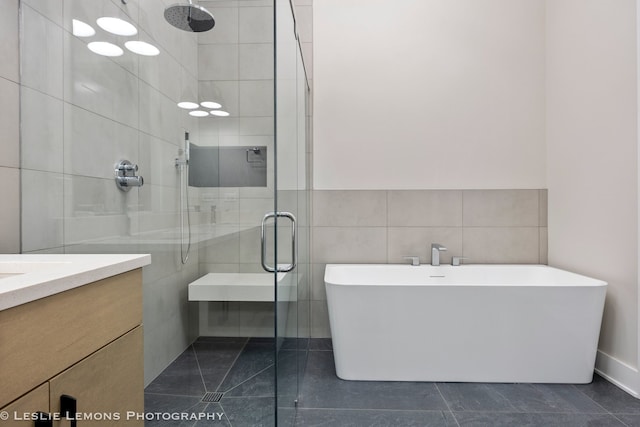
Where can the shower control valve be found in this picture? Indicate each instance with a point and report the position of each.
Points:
(126, 175)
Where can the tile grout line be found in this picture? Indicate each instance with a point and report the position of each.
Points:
(460, 411)
(172, 395)
(250, 378)
(608, 412)
(195, 353)
(446, 403)
(594, 401)
(373, 409)
(232, 364)
(225, 414)
(623, 423)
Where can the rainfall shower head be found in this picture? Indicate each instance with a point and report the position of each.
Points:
(189, 17)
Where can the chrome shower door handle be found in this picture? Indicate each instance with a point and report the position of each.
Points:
(263, 242)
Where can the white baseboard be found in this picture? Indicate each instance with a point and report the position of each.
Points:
(618, 373)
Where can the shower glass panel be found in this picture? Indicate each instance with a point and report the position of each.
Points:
(83, 111)
(291, 197)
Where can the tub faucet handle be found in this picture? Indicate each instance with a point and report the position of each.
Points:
(414, 259)
(456, 260)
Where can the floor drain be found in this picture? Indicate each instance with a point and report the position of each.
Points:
(212, 396)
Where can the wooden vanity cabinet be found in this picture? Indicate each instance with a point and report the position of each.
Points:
(86, 343)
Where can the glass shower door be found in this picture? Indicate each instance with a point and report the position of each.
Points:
(292, 207)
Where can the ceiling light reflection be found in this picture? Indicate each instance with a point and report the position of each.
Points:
(105, 49)
(117, 26)
(187, 105)
(210, 104)
(82, 29)
(142, 48)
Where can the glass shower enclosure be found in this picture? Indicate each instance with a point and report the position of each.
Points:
(93, 96)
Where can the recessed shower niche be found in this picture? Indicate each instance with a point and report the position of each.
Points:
(242, 166)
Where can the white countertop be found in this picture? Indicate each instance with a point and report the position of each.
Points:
(28, 277)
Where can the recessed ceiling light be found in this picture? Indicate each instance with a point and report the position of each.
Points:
(198, 113)
(188, 105)
(210, 104)
(142, 48)
(105, 49)
(117, 26)
(219, 113)
(82, 29)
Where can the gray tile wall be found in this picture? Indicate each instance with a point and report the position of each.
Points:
(486, 226)
(235, 68)
(80, 114)
(9, 128)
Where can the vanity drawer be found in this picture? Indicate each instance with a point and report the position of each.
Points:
(40, 339)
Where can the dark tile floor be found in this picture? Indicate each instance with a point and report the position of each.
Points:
(244, 370)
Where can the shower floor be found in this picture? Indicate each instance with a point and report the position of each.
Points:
(242, 369)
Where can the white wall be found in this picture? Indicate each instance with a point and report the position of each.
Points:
(429, 94)
(449, 94)
(592, 159)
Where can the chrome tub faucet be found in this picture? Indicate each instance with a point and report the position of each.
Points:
(436, 248)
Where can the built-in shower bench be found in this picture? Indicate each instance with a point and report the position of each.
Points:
(242, 287)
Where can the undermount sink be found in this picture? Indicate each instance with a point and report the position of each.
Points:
(14, 268)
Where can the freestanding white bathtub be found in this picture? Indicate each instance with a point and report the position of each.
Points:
(472, 323)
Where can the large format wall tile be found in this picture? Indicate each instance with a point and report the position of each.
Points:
(10, 210)
(100, 85)
(9, 124)
(42, 53)
(93, 144)
(320, 320)
(255, 61)
(95, 209)
(416, 241)
(318, 291)
(544, 207)
(161, 72)
(157, 161)
(255, 25)
(350, 208)
(425, 208)
(52, 10)
(256, 98)
(501, 208)
(226, 29)
(544, 245)
(226, 93)
(501, 245)
(42, 131)
(42, 210)
(349, 245)
(218, 62)
(159, 115)
(9, 41)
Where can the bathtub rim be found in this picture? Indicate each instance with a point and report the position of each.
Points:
(584, 281)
